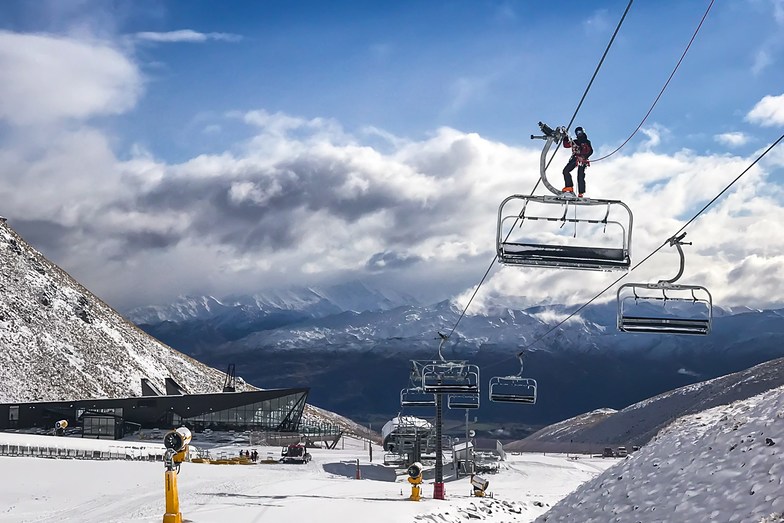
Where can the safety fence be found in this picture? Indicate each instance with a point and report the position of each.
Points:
(112, 453)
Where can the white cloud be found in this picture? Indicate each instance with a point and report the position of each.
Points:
(768, 112)
(185, 35)
(654, 133)
(49, 78)
(732, 139)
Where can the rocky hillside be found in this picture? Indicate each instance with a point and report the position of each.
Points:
(58, 341)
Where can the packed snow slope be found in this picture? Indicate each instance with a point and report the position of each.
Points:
(322, 491)
(723, 464)
(639, 423)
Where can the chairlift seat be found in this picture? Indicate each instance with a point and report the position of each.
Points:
(664, 325)
(463, 401)
(514, 398)
(563, 256)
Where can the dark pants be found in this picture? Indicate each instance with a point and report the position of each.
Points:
(567, 172)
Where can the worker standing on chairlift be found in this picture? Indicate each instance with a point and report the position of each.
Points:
(581, 150)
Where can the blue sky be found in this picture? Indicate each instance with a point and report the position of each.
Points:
(151, 134)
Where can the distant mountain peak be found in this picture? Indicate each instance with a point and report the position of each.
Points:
(312, 301)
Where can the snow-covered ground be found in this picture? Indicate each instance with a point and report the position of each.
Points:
(725, 464)
(325, 490)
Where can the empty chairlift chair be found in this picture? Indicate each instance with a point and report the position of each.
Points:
(416, 397)
(513, 389)
(449, 377)
(463, 401)
(665, 307)
(542, 231)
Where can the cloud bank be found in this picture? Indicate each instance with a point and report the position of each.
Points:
(301, 200)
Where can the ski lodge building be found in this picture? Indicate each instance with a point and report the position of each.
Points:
(274, 410)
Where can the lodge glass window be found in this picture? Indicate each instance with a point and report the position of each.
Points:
(99, 426)
(275, 414)
(13, 416)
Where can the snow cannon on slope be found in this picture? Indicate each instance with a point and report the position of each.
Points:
(176, 443)
(479, 485)
(415, 478)
(60, 426)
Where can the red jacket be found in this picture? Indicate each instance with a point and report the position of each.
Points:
(581, 149)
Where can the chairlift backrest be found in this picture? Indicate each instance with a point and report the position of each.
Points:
(448, 377)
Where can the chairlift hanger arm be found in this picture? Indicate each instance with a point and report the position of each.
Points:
(443, 337)
(677, 241)
(550, 136)
(520, 357)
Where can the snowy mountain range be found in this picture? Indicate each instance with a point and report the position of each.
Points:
(58, 341)
(358, 357)
(304, 302)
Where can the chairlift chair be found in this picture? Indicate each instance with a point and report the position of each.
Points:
(463, 401)
(665, 307)
(445, 377)
(416, 397)
(516, 246)
(670, 312)
(513, 389)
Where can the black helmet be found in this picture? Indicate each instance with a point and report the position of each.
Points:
(579, 130)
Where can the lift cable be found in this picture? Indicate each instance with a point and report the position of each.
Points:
(662, 89)
(585, 93)
(666, 242)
